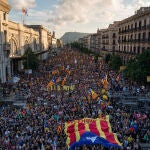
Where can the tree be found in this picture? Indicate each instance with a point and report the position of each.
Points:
(107, 58)
(138, 69)
(85, 50)
(115, 62)
(31, 61)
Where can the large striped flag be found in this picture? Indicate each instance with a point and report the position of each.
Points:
(90, 131)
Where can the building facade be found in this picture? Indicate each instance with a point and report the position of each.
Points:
(134, 34)
(15, 39)
(109, 39)
(126, 38)
(4, 46)
(86, 41)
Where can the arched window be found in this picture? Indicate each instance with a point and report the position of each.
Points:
(26, 45)
(35, 45)
(13, 47)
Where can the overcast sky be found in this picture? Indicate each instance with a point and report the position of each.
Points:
(74, 15)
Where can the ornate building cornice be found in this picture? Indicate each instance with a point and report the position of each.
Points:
(135, 16)
(4, 6)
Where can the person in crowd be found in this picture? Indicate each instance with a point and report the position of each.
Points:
(40, 124)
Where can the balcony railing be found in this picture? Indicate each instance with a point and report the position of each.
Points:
(134, 41)
(148, 26)
(135, 29)
(144, 27)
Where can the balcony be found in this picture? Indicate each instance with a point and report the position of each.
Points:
(139, 28)
(148, 26)
(144, 27)
(135, 29)
(6, 47)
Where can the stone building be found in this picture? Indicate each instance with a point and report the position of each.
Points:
(134, 34)
(86, 41)
(126, 38)
(15, 39)
(109, 39)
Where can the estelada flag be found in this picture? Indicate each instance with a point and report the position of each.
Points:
(55, 72)
(118, 78)
(105, 82)
(52, 82)
(68, 71)
(62, 68)
(58, 80)
(64, 81)
(93, 94)
(88, 131)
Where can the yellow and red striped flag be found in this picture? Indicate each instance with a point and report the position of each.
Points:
(93, 94)
(64, 81)
(51, 83)
(58, 80)
(105, 82)
(79, 132)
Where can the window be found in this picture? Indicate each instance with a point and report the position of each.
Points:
(5, 36)
(144, 36)
(135, 36)
(139, 36)
(149, 35)
(145, 22)
(143, 49)
(135, 25)
(113, 48)
(134, 49)
(138, 50)
(140, 24)
(131, 49)
(124, 48)
(4, 16)
(13, 47)
(114, 42)
(114, 35)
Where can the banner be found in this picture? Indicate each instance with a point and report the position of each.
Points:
(148, 78)
(65, 88)
(122, 68)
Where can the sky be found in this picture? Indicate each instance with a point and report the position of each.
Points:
(74, 15)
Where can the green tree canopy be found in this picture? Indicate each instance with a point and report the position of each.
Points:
(115, 62)
(107, 58)
(85, 50)
(139, 68)
(31, 61)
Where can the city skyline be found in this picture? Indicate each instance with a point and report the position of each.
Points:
(76, 15)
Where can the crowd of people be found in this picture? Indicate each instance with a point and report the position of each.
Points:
(39, 125)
